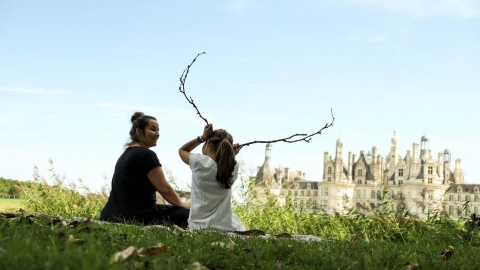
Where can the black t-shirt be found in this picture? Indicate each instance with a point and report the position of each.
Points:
(132, 194)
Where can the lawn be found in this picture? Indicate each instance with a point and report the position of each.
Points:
(10, 205)
(30, 243)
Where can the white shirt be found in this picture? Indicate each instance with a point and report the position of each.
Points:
(211, 205)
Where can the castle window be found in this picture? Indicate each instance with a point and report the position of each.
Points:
(329, 179)
(450, 197)
(326, 191)
(459, 210)
(467, 198)
(295, 193)
(459, 198)
(372, 194)
(329, 170)
(359, 181)
(379, 195)
(450, 210)
(475, 198)
(309, 186)
(289, 192)
(400, 182)
(359, 172)
(301, 193)
(400, 172)
(315, 193)
(430, 170)
(430, 180)
(359, 194)
(400, 195)
(295, 203)
(308, 192)
(459, 190)
(364, 194)
(467, 210)
(430, 195)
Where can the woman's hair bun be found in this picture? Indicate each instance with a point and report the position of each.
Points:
(135, 116)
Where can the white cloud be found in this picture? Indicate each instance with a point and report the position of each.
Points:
(378, 39)
(421, 9)
(352, 38)
(31, 90)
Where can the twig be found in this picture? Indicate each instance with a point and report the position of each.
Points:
(183, 78)
(306, 137)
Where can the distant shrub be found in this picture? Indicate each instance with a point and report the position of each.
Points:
(60, 197)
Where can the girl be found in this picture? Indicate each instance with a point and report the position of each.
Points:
(213, 174)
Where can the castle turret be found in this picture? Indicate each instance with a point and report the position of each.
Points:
(424, 154)
(440, 165)
(392, 156)
(350, 165)
(458, 172)
(338, 152)
(446, 163)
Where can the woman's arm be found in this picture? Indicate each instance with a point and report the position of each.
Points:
(185, 150)
(157, 178)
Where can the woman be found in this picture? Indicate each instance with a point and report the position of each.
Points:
(138, 174)
(213, 174)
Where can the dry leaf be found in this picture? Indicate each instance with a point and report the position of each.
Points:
(160, 248)
(177, 230)
(197, 266)
(125, 254)
(354, 238)
(73, 240)
(141, 265)
(446, 254)
(411, 266)
(250, 232)
(220, 244)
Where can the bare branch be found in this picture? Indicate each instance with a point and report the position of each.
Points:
(306, 138)
(183, 78)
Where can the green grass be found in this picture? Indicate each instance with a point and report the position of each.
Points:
(27, 245)
(10, 205)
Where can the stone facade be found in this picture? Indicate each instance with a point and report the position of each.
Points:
(415, 182)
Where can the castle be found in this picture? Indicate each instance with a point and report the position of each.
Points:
(415, 182)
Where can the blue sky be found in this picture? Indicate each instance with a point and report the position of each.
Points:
(72, 74)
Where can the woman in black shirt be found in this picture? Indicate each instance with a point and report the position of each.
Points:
(138, 174)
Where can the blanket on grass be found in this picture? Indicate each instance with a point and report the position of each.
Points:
(75, 221)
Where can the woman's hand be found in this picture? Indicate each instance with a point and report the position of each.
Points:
(186, 205)
(207, 130)
(236, 148)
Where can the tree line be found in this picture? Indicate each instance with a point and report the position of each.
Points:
(7, 186)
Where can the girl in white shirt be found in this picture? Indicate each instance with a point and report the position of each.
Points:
(213, 174)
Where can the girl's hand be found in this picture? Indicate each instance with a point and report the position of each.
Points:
(207, 130)
(236, 148)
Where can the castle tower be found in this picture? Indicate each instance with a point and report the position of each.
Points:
(338, 161)
(458, 172)
(424, 151)
(392, 156)
(446, 169)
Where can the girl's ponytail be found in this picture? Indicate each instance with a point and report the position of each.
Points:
(222, 142)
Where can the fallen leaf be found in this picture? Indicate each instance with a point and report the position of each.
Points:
(160, 248)
(141, 265)
(197, 266)
(125, 254)
(411, 266)
(446, 254)
(354, 238)
(177, 230)
(73, 240)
